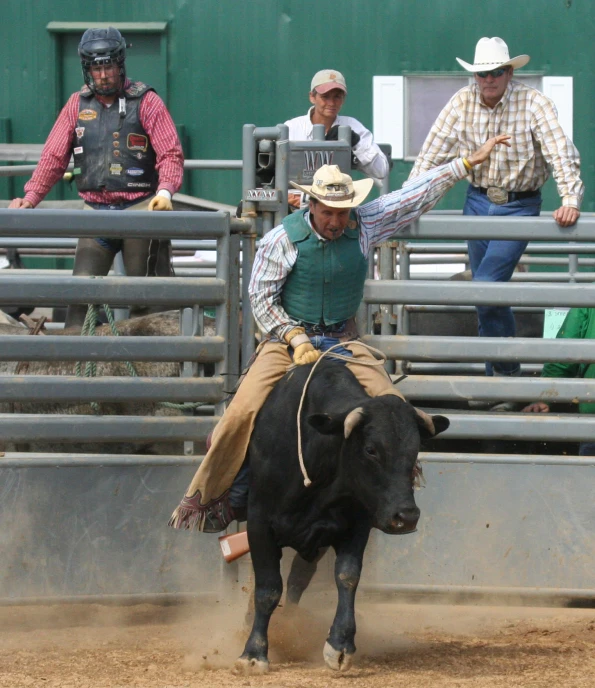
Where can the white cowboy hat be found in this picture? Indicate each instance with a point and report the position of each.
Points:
(491, 53)
(335, 189)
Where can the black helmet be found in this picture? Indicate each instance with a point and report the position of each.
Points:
(102, 47)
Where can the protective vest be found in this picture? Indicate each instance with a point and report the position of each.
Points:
(326, 284)
(112, 151)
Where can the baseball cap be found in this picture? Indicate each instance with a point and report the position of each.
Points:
(327, 79)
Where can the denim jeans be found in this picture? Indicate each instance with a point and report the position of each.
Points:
(586, 449)
(494, 261)
(238, 492)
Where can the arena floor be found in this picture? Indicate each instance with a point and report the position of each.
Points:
(443, 646)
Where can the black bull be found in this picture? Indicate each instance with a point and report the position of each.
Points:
(360, 454)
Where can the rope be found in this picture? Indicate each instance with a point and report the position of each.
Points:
(340, 357)
(88, 330)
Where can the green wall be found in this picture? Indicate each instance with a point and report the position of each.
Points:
(231, 62)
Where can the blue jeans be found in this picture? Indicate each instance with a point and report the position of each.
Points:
(494, 261)
(586, 449)
(238, 492)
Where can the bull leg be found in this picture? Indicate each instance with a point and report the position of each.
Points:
(268, 588)
(340, 646)
(301, 574)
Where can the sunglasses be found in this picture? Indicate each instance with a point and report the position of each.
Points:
(495, 73)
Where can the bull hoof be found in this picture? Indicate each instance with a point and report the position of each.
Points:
(251, 667)
(337, 660)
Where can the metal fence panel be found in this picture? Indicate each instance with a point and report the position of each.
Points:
(100, 531)
(492, 526)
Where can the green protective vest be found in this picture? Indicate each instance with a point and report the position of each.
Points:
(326, 284)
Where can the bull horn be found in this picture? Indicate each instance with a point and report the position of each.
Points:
(426, 420)
(352, 419)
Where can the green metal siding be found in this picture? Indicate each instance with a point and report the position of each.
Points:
(230, 62)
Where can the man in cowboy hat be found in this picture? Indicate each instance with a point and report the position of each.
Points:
(510, 182)
(328, 91)
(306, 286)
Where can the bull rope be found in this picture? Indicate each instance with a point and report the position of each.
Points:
(340, 357)
(88, 330)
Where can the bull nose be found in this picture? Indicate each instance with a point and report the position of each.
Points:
(406, 520)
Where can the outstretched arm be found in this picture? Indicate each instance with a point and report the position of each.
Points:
(389, 214)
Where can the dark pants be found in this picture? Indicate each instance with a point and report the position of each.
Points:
(142, 258)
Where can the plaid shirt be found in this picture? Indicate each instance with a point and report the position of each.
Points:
(538, 140)
(55, 156)
(378, 220)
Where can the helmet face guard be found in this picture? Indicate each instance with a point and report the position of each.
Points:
(102, 47)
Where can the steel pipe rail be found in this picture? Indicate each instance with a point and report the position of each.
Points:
(509, 228)
(525, 349)
(71, 389)
(477, 369)
(464, 388)
(453, 247)
(71, 428)
(542, 427)
(213, 164)
(64, 348)
(105, 223)
(506, 459)
(424, 292)
(117, 291)
(58, 460)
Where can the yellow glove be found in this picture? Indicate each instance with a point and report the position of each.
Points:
(303, 351)
(160, 203)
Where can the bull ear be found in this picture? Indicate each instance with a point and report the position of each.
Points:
(326, 424)
(430, 426)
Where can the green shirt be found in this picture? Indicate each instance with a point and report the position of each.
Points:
(578, 324)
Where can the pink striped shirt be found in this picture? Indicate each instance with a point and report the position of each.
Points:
(378, 220)
(156, 121)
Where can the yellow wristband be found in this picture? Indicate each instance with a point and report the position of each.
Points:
(468, 165)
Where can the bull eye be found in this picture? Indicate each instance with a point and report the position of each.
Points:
(371, 453)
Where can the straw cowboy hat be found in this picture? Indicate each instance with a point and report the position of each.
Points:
(335, 189)
(491, 53)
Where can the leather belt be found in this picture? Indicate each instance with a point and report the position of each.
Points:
(321, 330)
(500, 196)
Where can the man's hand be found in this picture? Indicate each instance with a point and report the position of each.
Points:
(294, 200)
(484, 152)
(19, 203)
(566, 215)
(160, 203)
(537, 407)
(305, 353)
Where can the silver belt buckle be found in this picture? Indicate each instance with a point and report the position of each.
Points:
(497, 196)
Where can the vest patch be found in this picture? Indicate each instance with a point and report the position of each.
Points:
(115, 169)
(79, 132)
(137, 142)
(78, 150)
(135, 171)
(87, 115)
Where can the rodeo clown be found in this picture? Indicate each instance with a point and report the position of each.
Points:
(306, 286)
(127, 156)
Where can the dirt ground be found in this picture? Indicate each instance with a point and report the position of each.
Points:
(436, 646)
